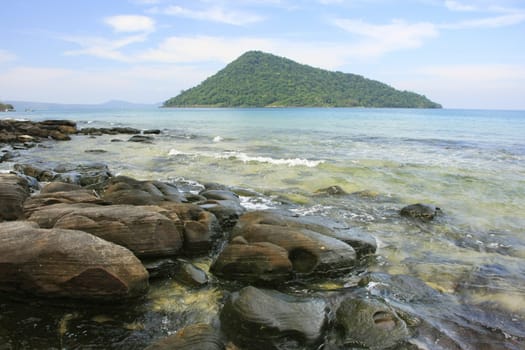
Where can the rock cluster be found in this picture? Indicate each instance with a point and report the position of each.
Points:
(13, 131)
(90, 235)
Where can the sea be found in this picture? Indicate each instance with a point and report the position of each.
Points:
(469, 163)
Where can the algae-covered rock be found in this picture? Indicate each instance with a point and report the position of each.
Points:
(369, 324)
(266, 319)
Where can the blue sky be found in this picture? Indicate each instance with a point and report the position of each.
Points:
(462, 54)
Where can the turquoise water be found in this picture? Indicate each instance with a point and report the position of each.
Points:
(470, 163)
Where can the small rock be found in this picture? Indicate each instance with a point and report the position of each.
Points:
(420, 211)
(141, 138)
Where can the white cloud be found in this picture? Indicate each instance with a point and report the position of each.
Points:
(225, 49)
(382, 38)
(130, 23)
(215, 14)
(489, 22)
(103, 48)
(458, 6)
(6, 56)
(488, 86)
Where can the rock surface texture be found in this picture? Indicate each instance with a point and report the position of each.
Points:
(66, 263)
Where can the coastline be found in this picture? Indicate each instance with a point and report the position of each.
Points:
(317, 289)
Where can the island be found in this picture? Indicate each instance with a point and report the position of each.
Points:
(258, 79)
(6, 107)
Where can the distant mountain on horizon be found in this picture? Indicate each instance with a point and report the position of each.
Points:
(258, 79)
(112, 104)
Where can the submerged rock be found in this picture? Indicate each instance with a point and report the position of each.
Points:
(195, 337)
(266, 319)
(66, 263)
(420, 211)
(14, 190)
(331, 191)
(369, 324)
(142, 230)
(141, 139)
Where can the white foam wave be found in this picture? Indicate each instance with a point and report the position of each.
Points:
(218, 139)
(174, 152)
(279, 161)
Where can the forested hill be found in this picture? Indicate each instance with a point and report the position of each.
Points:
(258, 79)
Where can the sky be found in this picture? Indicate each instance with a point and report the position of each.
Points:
(462, 54)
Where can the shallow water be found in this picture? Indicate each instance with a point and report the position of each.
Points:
(469, 163)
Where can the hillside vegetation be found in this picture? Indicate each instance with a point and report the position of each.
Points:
(258, 79)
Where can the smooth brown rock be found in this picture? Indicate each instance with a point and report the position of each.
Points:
(66, 263)
(259, 263)
(309, 249)
(41, 200)
(125, 190)
(142, 230)
(14, 190)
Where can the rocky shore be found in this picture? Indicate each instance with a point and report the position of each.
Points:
(77, 233)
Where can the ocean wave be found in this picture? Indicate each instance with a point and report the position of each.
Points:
(277, 161)
(174, 152)
(218, 139)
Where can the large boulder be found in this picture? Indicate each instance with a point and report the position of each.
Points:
(14, 190)
(195, 337)
(144, 231)
(266, 319)
(309, 250)
(66, 263)
(125, 190)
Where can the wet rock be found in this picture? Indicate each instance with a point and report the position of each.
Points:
(140, 229)
(266, 319)
(109, 131)
(23, 130)
(363, 243)
(226, 211)
(257, 263)
(200, 228)
(125, 190)
(151, 131)
(190, 275)
(420, 211)
(98, 151)
(14, 190)
(195, 337)
(220, 195)
(403, 288)
(309, 250)
(331, 191)
(66, 263)
(91, 174)
(141, 139)
(161, 268)
(370, 324)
